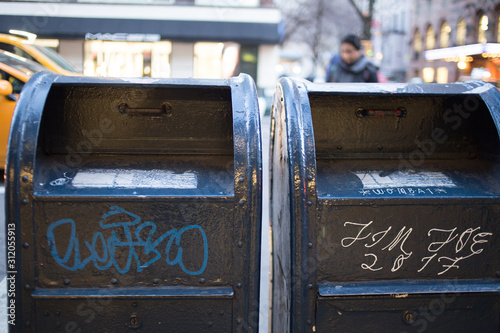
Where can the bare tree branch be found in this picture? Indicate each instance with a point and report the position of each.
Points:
(360, 13)
(366, 18)
(318, 25)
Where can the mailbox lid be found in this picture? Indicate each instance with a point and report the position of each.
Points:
(388, 140)
(159, 137)
(127, 117)
(387, 178)
(136, 175)
(362, 125)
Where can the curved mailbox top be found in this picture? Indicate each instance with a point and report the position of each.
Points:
(419, 136)
(75, 119)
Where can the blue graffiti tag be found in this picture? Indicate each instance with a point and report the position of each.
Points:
(109, 246)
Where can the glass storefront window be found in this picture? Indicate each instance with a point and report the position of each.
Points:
(428, 74)
(498, 29)
(482, 36)
(444, 38)
(442, 75)
(417, 44)
(430, 39)
(160, 59)
(127, 59)
(208, 60)
(215, 60)
(461, 32)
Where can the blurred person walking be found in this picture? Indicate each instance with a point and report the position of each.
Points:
(351, 65)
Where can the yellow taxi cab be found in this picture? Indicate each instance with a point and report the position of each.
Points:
(14, 72)
(45, 56)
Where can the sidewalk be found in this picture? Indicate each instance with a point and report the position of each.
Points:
(266, 241)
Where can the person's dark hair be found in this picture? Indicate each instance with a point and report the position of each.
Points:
(353, 40)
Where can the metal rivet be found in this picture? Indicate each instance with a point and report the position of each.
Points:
(309, 321)
(114, 281)
(309, 177)
(210, 312)
(221, 312)
(156, 281)
(66, 281)
(134, 321)
(310, 245)
(241, 179)
(25, 178)
(58, 313)
(241, 203)
(27, 287)
(26, 245)
(239, 285)
(409, 316)
(309, 203)
(379, 147)
(310, 286)
(339, 147)
(202, 281)
(134, 304)
(210, 323)
(24, 202)
(240, 244)
(239, 321)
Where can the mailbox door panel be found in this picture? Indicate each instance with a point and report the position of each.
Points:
(134, 314)
(414, 313)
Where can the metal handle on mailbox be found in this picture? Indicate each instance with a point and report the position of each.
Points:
(362, 113)
(166, 108)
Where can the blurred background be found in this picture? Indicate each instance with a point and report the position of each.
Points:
(413, 40)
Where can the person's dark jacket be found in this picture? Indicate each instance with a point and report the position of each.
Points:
(362, 70)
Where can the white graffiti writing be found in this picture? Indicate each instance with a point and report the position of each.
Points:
(406, 191)
(466, 243)
(377, 237)
(463, 245)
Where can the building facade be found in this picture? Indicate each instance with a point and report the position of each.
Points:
(455, 40)
(391, 41)
(156, 38)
